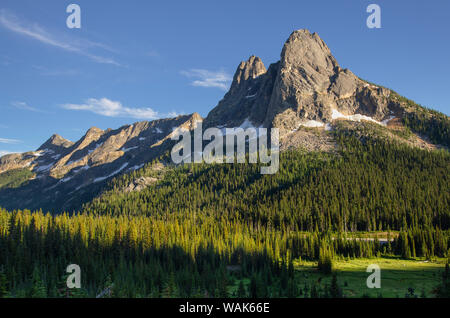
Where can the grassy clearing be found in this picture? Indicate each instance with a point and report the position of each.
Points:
(397, 275)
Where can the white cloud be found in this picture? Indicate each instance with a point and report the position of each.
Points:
(9, 141)
(174, 114)
(24, 106)
(36, 32)
(5, 152)
(219, 79)
(110, 108)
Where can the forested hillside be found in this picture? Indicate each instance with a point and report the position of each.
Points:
(425, 121)
(371, 184)
(200, 230)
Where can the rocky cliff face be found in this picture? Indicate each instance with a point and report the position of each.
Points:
(306, 87)
(246, 96)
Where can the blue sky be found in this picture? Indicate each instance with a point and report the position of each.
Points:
(136, 60)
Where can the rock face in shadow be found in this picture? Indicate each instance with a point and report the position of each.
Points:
(244, 97)
(307, 84)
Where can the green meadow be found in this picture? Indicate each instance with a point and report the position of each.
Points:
(397, 275)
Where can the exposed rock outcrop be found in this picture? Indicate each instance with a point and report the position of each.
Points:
(56, 143)
(140, 184)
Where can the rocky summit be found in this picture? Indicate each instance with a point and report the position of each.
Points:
(306, 87)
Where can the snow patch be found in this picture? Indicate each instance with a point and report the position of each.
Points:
(335, 114)
(44, 168)
(42, 152)
(81, 169)
(66, 179)
(128, 149)
(137, 167)
(386, 121)
(96, 146)
(112, 174)
(312, 123)
(72, 162)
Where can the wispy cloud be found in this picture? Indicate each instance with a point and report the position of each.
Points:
(205, 78)
(5, 152)
(152, 53)
(9, 141)
(6, 60)
(34, 31)
(110, 108)
(174, 114)
(25, 106)
(55, 72)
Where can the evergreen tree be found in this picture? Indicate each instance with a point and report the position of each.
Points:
(325, 263)
(253, 287)
(443, 290)
(242, 292)
(38, 289)
(3, 285)
(314, 292)
(335, 290)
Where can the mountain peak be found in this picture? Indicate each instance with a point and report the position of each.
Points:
(56, 141)
(307, 86)
(196, 117)
(307, 54)
(94, 130)
(251, 68)
(239, 100)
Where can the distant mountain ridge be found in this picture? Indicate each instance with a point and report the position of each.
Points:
(62, 167)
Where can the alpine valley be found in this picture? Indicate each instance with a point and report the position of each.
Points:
(364, 174)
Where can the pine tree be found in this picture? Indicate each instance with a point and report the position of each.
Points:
(314, 292)
(38, 289)
(170, 289)
(253, 287)
(325, 263)
(3, 285)
(443, 290)
(335, 290)
(242, 292)
(223, 289)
